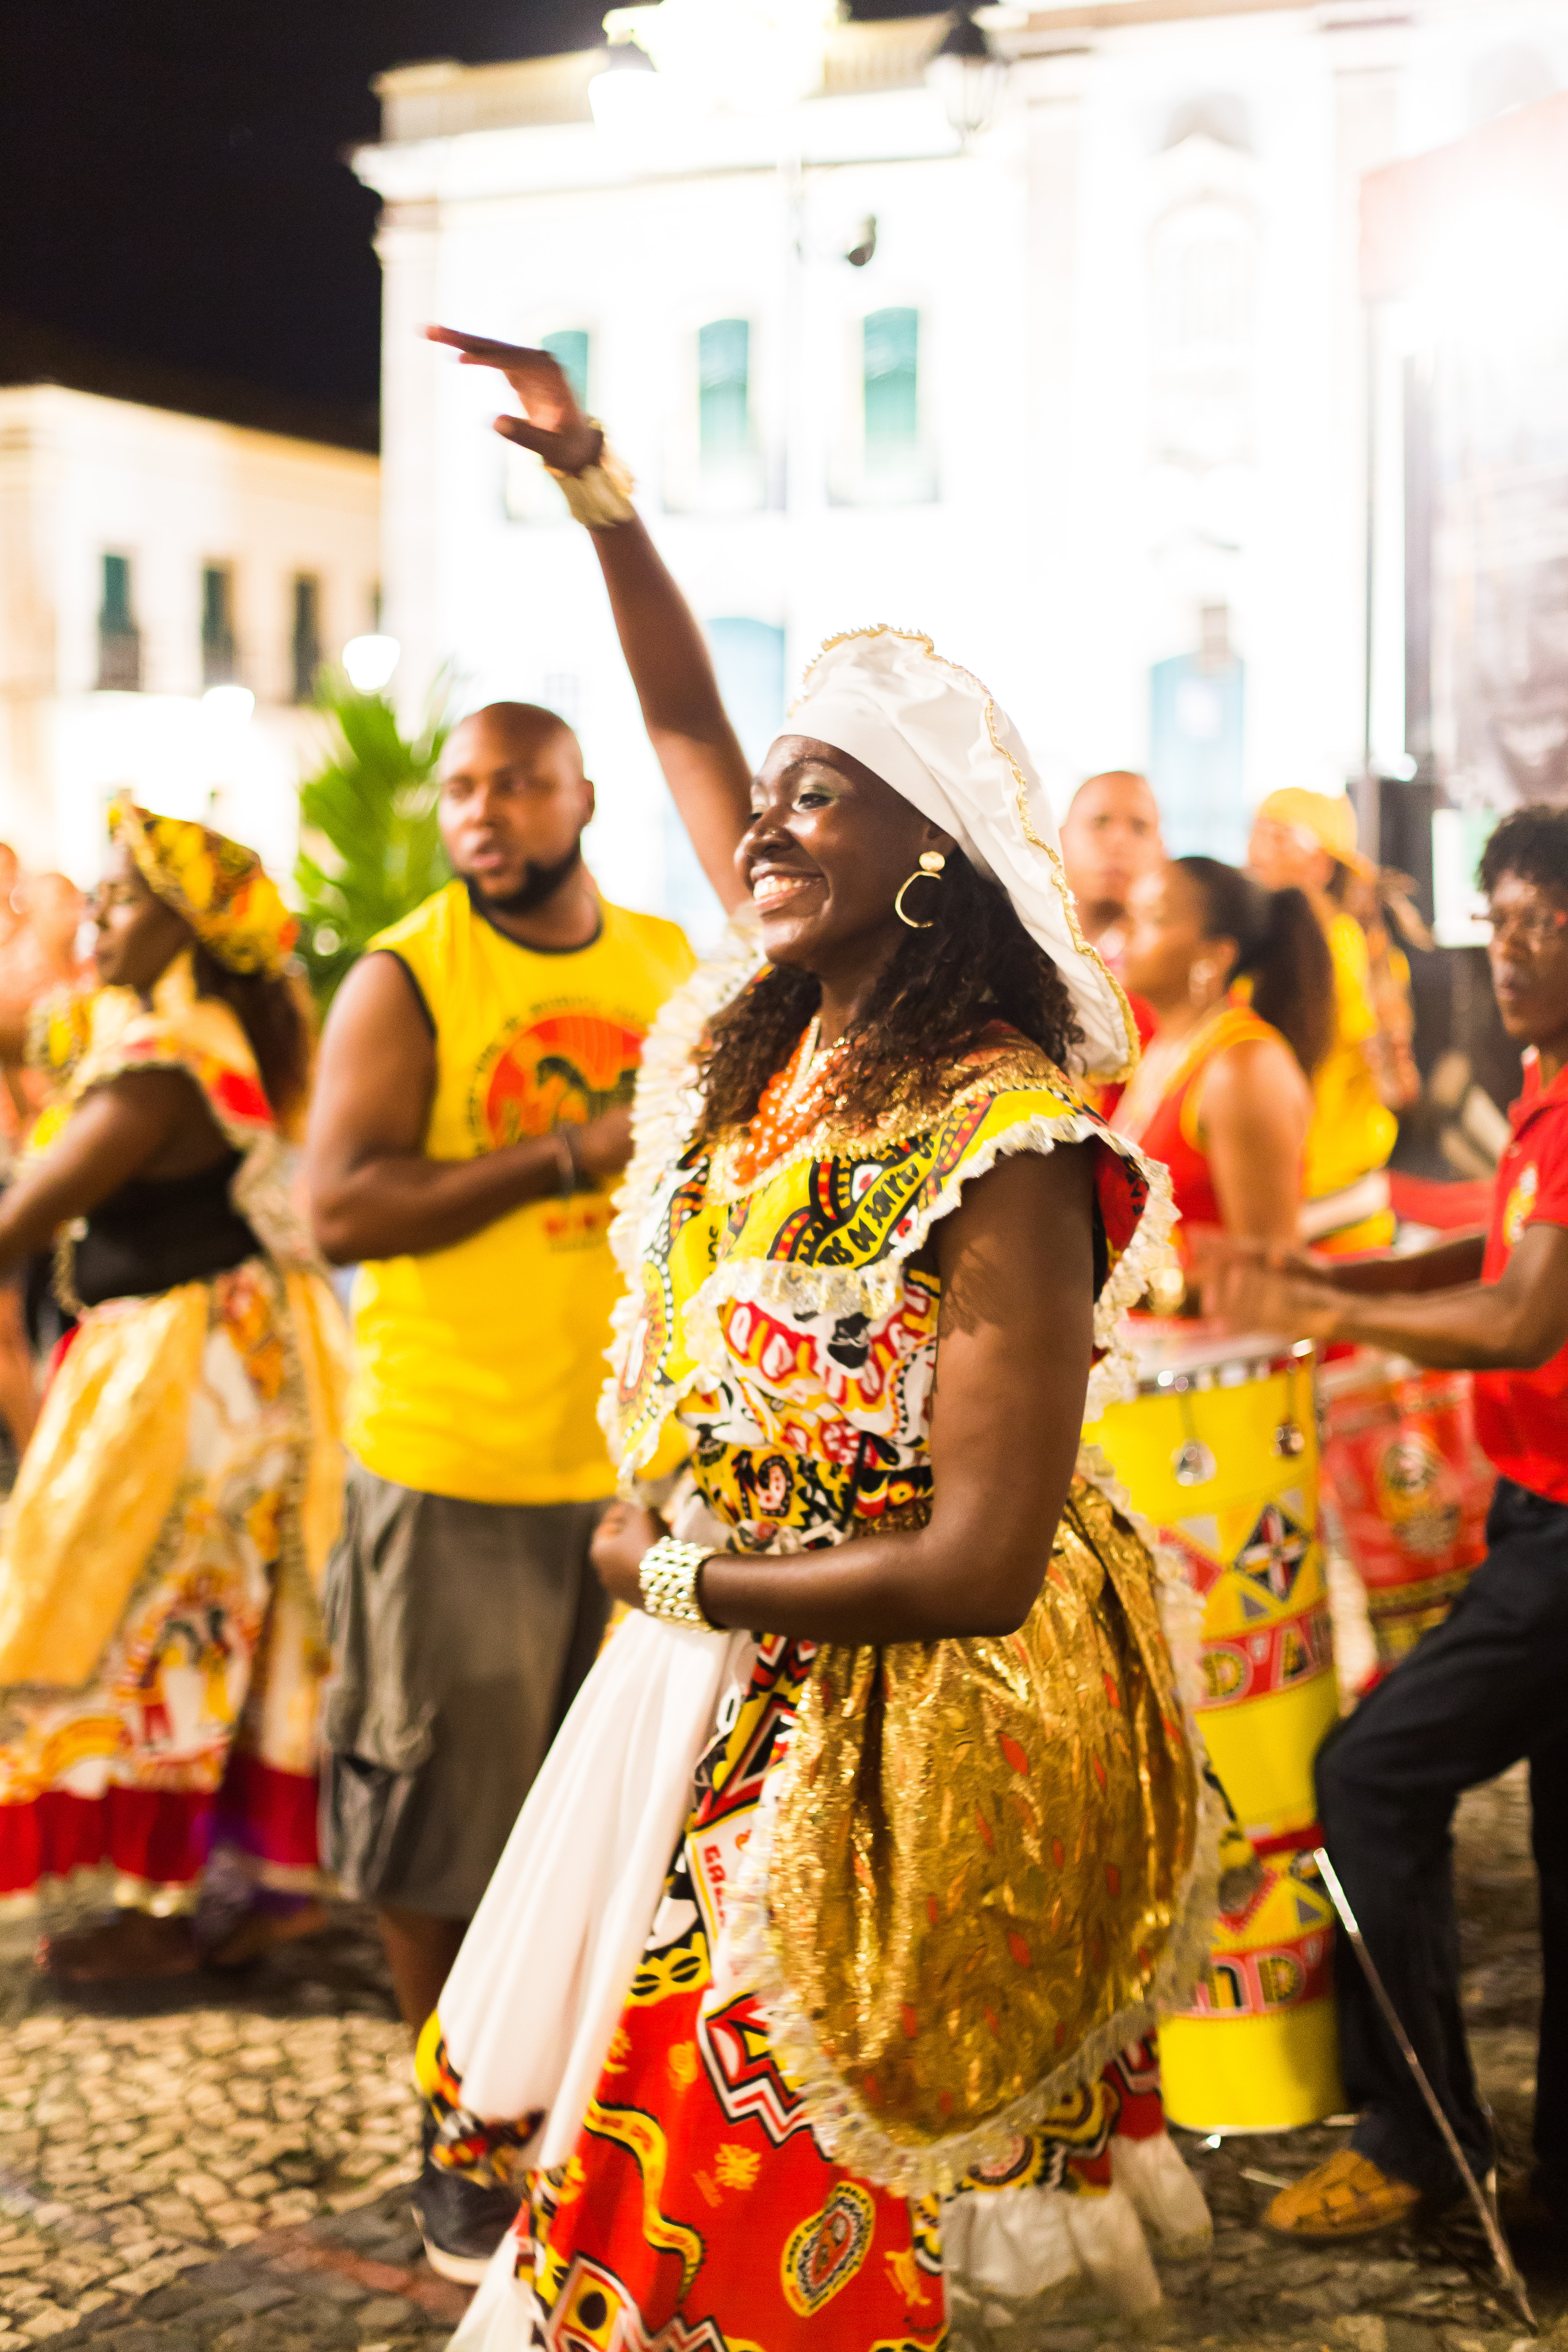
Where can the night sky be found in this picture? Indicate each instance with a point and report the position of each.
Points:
(171, 177)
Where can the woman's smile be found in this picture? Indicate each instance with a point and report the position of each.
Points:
(774, 886)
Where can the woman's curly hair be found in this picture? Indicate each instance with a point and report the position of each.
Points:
(941, 986)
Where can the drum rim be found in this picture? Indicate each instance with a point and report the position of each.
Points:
(1264, 1359)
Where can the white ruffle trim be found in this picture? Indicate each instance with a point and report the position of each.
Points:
(665, 1108)
(875, 1290)
(663, 1116)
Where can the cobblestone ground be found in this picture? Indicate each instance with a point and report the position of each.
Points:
(225, 2168)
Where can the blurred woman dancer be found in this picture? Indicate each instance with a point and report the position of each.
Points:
(160, 1653)
(1241, 982)
(933, 1829)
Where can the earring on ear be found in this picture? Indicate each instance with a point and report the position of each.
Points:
(929, 867)
(1200, 979)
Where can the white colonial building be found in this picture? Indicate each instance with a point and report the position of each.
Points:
(1084, 394)
(146, 558)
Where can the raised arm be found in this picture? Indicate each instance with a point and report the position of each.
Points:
(695, 744)
(372, 1192)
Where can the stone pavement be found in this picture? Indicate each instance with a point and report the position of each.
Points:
(215, 2162)
(222, 2166)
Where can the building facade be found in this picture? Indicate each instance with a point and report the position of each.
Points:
(1086, 395)
(146, 558)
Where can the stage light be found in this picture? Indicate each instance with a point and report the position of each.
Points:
(370, 662)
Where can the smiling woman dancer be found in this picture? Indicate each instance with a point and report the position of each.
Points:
(160, 1655)
(934, 1827)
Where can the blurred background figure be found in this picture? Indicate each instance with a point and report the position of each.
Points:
(1111, 839)
(1307, 841)
(40, 919)
(1240, 986)
(160, 1649)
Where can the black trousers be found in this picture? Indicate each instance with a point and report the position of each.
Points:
(1483, 1690)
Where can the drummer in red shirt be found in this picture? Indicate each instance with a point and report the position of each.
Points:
(1490, 1686)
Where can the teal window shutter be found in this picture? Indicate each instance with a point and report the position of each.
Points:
(115, 616)
(568, 346)
(723, 381)
(890, 361)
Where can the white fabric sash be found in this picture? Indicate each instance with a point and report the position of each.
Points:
(537, 1991)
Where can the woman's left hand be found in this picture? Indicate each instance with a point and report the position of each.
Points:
(620, 1539)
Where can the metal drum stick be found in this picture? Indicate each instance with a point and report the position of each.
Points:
(1507, 2268)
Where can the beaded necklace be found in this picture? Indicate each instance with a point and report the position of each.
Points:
(790, 1107)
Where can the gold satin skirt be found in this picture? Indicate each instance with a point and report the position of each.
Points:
(981, 1873)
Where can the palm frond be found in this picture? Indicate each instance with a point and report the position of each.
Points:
(370, 846)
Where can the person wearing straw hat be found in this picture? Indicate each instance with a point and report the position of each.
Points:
(161, 1654)
(793, 2002)
(1307, 841)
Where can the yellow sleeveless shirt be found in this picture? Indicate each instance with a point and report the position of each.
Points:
(478, 1367)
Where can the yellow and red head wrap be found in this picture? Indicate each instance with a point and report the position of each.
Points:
(221, 888)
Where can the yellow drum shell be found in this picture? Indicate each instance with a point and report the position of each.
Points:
(1259, 2050)
(1219, 1449)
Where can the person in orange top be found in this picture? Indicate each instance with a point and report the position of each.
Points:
(1222, 1093)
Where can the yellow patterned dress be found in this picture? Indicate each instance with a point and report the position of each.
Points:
(927, 1895)
(160, 1655)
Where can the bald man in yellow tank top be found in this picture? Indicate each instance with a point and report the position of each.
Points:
(471, 1114)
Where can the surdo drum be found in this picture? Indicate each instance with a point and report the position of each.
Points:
(1218, 1449)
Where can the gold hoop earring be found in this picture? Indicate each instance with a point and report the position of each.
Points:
(931, 866)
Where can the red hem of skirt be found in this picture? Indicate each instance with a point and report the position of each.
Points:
(160, 1836)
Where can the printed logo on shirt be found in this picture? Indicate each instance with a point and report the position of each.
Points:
(560, 1068)
(1520, 1204)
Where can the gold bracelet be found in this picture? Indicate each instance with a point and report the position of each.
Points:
(666, 1577)
(601, 495)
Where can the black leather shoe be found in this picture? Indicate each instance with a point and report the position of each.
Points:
(461, 2221)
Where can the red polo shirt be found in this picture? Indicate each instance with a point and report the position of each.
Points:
(1521, 1418)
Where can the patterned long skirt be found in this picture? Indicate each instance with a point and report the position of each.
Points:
(163, 1654)
(697, 2211)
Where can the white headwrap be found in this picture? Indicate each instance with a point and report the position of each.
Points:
(932, 731)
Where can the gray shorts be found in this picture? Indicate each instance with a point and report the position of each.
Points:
(460, 1635)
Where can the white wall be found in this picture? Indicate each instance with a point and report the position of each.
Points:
(81, 476)
(1097, 486)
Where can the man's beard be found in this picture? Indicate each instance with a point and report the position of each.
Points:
(539, 883)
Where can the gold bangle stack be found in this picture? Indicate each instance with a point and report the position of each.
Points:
(601, 495)
(667, 1577)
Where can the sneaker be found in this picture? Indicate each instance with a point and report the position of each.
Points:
(1348, 2197)
(461, 2221)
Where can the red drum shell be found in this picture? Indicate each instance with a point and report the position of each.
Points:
(1410, 1487)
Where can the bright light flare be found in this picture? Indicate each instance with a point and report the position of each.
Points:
(230, 706)
(370, 662)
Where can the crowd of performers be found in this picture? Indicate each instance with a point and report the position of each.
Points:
(779, 1774)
